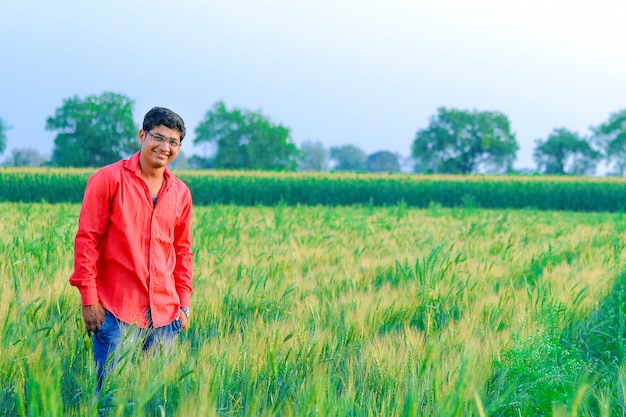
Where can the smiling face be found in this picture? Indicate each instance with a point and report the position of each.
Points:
(156, 147)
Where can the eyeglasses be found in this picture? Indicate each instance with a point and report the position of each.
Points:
(160, 139)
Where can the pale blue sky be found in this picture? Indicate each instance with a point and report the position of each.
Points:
(368, 73)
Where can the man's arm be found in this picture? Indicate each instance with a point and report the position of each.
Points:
(183, 273)
(92, 225)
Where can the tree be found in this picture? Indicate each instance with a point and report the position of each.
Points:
(3, 136)
(93, 132)
(465, 142)
(314, 156)
(25, 158)
(565, 153)
(383, 161)
(247, 140)
(348, 158)
(200, 162)
(610, 136)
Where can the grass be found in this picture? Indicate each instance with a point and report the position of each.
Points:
(348, 311)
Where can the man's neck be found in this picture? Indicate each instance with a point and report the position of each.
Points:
(151, 174)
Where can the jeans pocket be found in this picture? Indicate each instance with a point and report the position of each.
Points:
(176, 326)
(108, 325)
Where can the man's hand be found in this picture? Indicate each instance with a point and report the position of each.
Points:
(184, 320)
(93, 315)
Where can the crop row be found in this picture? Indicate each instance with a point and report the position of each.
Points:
(334, 189)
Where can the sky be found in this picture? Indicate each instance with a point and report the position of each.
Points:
(360, 72)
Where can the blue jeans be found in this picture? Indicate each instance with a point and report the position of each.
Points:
(115, 339)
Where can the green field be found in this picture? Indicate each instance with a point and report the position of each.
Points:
(339, 311)
(253, 188)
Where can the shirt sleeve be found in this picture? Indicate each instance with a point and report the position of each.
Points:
(183, 273)
(92, 225)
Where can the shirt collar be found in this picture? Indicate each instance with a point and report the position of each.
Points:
(132, 164)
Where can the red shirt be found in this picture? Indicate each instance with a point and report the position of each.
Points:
(130, 254)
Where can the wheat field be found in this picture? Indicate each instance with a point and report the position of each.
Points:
(337, 311)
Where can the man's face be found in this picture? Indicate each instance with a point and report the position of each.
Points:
(159, 146)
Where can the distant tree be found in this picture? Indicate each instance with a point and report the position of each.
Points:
(348, 158)
(200, 162)
(610, 137)
(247, 140)
(94, 131)
(3, 135)
(25, 158)
(314, 156)
(565, 153)
(383, 161)
(465, 142)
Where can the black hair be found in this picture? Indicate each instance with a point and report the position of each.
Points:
(160, 116)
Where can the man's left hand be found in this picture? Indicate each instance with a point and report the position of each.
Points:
(184, 320)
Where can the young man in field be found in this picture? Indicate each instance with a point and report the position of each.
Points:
(132, 253)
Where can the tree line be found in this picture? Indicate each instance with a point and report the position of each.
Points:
(100, 129)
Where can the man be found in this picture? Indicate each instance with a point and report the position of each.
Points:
(132, 252)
